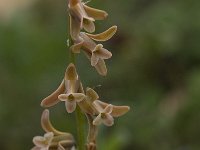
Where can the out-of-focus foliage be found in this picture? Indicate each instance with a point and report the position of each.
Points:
(155, 69)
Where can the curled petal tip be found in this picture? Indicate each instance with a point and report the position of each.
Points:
(104, 36)
(46, 124)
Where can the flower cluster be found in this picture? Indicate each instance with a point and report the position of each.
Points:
(71, 90)
(83, 17)
(72, 93)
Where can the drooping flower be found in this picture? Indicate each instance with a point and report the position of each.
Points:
(95, 52)
(67, 91)
(42, 142)
(117, 111)
(83, 16)
(53, 138)
(106, 112)
(93, 106)
(71, 97)
(104, 116)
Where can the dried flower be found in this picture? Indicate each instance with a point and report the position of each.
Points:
(104, 116)
(83, 16)
(71, 90)
(95, 52)
(52, 138)
(117, 111)
(106, 112)
(67, 91)
(71, 97)
(70, 100)
(42, 142)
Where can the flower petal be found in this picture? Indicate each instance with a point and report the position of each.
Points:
(101, 67)
(76, 47)
(88, 25)
(91, 95)
(88, 44)
(71, 73)
(75, 27)
(63, 97)
(104, 36)
(78, 96)
(39, 141)
(97, 120)
(108, 109)
(70, 106)
(102, 52)
(48, 136)
(53, 98)
(95, 13)
(94, 59)
(117, 110)
(46, 124)
(87, 107)
(97, 106)
(108, 120)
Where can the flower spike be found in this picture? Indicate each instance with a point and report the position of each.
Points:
(71, 91)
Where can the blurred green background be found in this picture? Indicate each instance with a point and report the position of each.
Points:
(155, 69)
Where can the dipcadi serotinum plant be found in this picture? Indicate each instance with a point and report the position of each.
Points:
(71, 91)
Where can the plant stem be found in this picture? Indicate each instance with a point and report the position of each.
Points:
(80, 120)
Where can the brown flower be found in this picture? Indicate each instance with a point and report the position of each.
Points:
(67, 91)
(95, 52)
(106, 112)
(83, 16)
(52, 138)
(42, 142)
(104, 116)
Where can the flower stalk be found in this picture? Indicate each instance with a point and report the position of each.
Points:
(85, 103)
(80, 121)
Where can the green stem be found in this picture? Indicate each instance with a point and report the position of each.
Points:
(80, 120)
